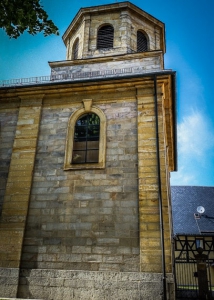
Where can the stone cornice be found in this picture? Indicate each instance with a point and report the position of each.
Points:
(106, 59)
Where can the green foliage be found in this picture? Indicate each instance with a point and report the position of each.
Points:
(94, 119)
(16, 16)
(87, 128)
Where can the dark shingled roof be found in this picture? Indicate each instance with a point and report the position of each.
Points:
(185, 200)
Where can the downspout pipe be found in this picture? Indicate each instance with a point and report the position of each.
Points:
(160, 192)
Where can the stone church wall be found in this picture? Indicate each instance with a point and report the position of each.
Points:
(84, 219)
(8, 121)
(91, 231)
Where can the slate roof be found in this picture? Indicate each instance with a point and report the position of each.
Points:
(185, 200)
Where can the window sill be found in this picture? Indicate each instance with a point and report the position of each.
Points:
(84, 166)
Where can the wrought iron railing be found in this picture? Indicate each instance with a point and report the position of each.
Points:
(25, 81)
(75, 76)
(64, 76)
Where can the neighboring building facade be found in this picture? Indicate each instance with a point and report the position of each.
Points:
(193, 229)
(86, 156)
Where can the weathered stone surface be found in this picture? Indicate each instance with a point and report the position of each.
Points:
(8, 127)
(98, 220)
(9, 278)
(125, 20)
(58, 284)
(129, 66)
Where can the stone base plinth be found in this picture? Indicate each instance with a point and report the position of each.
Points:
(9, 281)
(67, 285)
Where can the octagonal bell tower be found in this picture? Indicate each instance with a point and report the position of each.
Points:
(108, 37)
(114, 29)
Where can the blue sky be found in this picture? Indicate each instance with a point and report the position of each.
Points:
(189, 52)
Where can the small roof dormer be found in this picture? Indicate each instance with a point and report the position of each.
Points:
(114, 29)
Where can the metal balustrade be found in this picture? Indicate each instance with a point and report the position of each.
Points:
(75, 76)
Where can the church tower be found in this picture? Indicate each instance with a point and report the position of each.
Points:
(86, 208)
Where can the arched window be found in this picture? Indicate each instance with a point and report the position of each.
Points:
(142, 45)
(105, 37)
(86, 139)
(75, 49)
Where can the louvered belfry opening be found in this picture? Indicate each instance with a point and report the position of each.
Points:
(75, 49)
(141, 42)
(105, 37)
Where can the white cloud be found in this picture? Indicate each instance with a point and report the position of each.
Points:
(195, 150)
(194, 135)
(183, 177)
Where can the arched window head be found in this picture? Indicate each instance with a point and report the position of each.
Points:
(75, 49)
(105, 37)
(142, 44)
(86, 139)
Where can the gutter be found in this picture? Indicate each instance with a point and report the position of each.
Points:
(174, 105)
(160, 192)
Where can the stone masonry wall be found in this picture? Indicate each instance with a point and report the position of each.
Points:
(79, 285)
(8, 121)
(142, 63)
(84, 220)
(153, 33)
(125, 23)
(81, 238)
(79, 33)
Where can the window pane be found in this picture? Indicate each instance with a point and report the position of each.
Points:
(93, 119)
(92, 156)
(80, 132)
(93, 132)
(78, 157)
(79, 145)
(86, 139)
(93, 145)
(83, 120)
